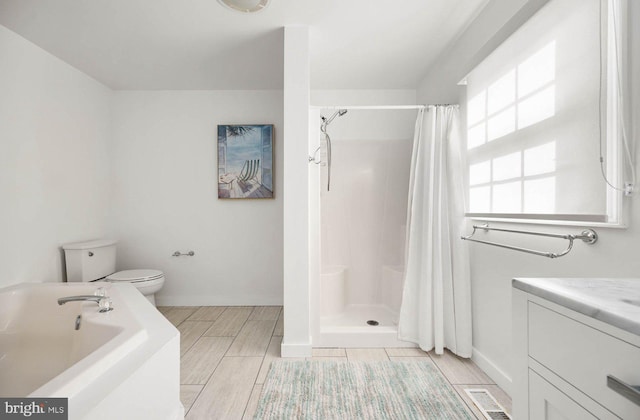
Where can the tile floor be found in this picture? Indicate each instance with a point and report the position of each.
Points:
(226, 353)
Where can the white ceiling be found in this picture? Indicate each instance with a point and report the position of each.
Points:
(198, 44)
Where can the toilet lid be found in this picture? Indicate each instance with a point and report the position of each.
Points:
(133, 276)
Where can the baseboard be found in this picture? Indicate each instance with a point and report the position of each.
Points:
(179, 415)
(203, 300)
(295, 350)
(493, 371)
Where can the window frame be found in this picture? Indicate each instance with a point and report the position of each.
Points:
(613, 80)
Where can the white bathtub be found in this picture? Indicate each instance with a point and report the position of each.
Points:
(121, 364)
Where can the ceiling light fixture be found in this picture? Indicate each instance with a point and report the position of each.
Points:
(245, 6)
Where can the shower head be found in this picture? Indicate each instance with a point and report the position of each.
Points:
(323, 128)
(338, 113)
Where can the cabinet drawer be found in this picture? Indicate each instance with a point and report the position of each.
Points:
(584, 356)
(547, 402)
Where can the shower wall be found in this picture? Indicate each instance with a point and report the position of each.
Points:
(363, 216)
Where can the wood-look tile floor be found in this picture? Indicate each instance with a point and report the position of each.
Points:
(226, 353)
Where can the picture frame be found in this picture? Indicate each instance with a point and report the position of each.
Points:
(245, 161)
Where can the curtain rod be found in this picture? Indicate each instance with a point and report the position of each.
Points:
(364, 107)
(374, 107)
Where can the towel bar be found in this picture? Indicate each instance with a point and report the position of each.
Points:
(588, 236)
(179, 254)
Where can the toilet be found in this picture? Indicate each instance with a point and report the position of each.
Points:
(96, 260)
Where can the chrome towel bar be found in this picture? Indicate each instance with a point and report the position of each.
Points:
(179, 254)
(588, 236)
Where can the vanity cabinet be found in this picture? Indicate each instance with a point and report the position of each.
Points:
(568, 365)
(547, 402)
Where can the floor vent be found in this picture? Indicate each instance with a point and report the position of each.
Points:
(487, 404)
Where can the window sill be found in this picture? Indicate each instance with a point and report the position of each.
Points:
(554, 220)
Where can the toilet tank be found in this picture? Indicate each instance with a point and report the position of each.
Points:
(91, 260)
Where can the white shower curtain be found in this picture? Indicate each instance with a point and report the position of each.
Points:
(436, 302)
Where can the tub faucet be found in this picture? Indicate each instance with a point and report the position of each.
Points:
(104, 303)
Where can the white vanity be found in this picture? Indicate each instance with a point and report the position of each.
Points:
(576, 349)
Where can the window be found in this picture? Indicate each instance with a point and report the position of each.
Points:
(537, 112)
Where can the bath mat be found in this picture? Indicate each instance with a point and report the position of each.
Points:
(326, 390)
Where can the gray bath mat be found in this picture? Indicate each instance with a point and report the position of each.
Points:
(358, 390)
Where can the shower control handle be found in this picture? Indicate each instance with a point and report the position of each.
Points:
(315, 159)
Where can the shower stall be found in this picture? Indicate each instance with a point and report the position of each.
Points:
(359, 189)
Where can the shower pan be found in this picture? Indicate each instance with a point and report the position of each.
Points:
(346, 324)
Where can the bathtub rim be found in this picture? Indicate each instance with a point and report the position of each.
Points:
(86, 386)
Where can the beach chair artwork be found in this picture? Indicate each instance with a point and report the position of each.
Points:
(245, 161)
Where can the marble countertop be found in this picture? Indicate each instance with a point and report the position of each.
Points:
(613, 301)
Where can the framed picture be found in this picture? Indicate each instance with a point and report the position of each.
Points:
(245, 161)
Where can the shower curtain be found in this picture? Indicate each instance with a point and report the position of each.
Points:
(436, 301)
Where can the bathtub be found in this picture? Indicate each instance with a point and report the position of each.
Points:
(120, 364)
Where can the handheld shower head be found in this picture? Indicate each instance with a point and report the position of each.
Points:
(338, 113)
(323, 128)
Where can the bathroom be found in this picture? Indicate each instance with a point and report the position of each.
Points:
(125, 148)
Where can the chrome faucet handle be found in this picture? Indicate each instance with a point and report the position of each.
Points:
(100, 291)
(105, 305)
(104, 302)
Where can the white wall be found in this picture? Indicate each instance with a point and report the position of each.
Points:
(296, 257)
(165, 197)
(336, 97)
(54, 160)
(79, 161)
(496, 20)
(615, 254)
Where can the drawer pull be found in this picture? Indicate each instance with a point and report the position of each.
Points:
(630, 392)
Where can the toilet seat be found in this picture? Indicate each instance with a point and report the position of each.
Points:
(148, 282)
(135, 276)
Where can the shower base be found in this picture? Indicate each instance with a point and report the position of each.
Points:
(350, 328)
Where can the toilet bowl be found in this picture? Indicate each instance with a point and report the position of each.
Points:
(148, 282)
(96, 261)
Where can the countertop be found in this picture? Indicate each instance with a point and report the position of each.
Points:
(613, 301)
